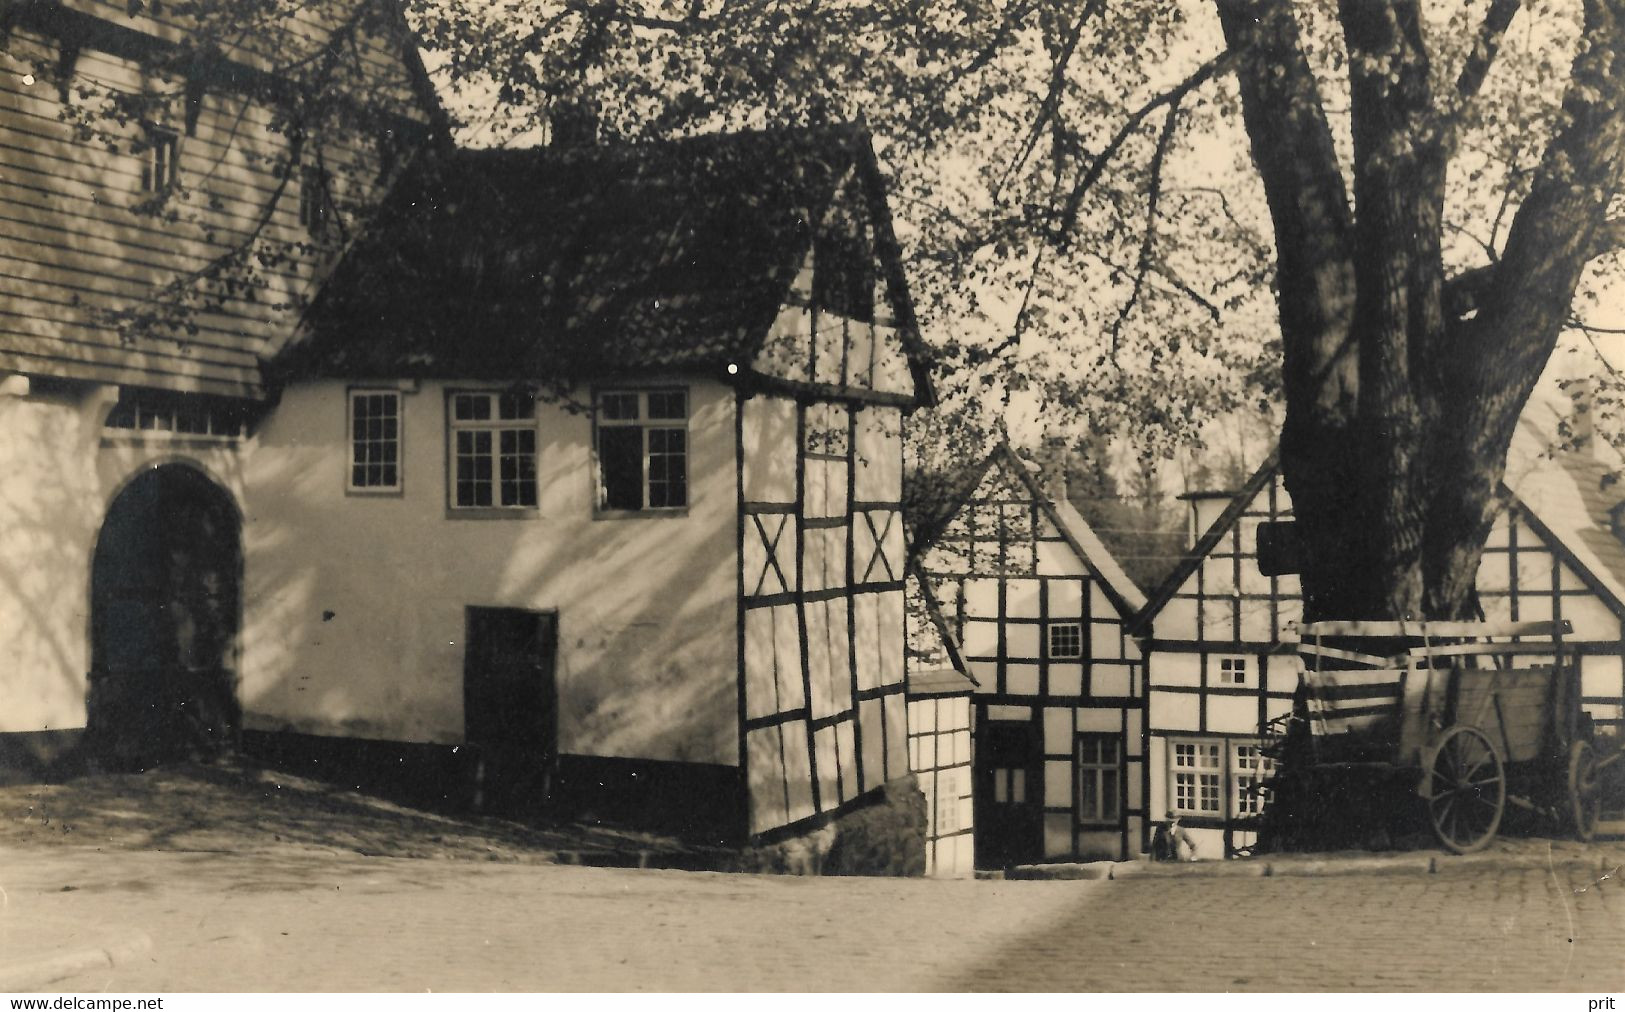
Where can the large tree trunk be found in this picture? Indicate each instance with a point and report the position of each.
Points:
(1399, 414)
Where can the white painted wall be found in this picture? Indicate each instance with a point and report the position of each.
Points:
(48, 509)
(59, 472)
(355, 603)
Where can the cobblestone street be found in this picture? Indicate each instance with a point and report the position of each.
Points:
(304, 921)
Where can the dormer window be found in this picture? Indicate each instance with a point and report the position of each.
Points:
(1616, 521)
(160, 160)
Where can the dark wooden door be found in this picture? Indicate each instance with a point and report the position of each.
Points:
(165, 591)
(1009, 792)
(510, 706)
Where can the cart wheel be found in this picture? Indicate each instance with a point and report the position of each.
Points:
(1465, 789)
(1585, 790)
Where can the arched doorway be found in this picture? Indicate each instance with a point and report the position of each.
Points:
(165, 593)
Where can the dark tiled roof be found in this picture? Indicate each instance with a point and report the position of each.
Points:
(573, 261)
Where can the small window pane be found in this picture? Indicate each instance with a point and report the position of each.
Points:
(518, 467)
(517, 404)
(471, 407)
(620, 407)
(668, 404)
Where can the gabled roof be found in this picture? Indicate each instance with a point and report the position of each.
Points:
(930, 637)
(1127, 597)
(1568, 495)
(580, 261)
(1572, 494)
(1204, 544)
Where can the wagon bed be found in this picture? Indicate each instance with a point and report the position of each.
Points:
(1484, 714)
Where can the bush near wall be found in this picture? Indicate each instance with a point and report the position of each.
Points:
(883, 837)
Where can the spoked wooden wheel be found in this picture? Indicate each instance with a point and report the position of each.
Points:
(1585, 790)
(1465, 788)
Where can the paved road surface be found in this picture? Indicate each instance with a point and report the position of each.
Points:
(304, 921)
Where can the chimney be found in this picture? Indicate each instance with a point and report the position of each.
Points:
(1054, 457)
(1205, 508)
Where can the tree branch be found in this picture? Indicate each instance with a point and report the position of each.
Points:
(1097, 166)
(1292, 148)
(1488, 43)
(1052, 98)
(1465, 293)
(1149, 238)
(1559, 228)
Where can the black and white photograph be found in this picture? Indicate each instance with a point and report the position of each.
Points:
(811, 496)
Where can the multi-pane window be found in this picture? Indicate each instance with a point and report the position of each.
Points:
(159, 161)
(315, 205)
(1232, 671)
(1218, 778)
(493, 450)
(1099, 778)
(1196, 778)
(179, 416)
(1249, 768)
(1065, 640)
(642, 442)
(375, 439)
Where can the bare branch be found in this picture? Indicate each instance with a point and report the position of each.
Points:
(1052, 99)
(1149, 238)
(1097, 166)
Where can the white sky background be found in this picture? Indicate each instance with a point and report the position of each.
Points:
(1220, 160)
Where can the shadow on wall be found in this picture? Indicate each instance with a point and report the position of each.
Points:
(49, 508)
(355, 621)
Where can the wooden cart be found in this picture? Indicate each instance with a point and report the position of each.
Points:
(1485, 714)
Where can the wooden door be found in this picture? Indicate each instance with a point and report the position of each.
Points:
(1009, 793)
(510, 706)
(165, 590)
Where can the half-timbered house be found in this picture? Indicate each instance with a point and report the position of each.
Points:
(167, 206)
(1040, 610)
(939, 732)
(1217, 670)
(579, 478)
(592, 462)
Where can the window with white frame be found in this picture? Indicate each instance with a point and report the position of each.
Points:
(1232, 671)
(642, 449)
(1249, 768)
(1065, 641)
(1215, 778)
(1099, 778)
(1196, 777)
(493, 449)
(160, 160)
(375, 440)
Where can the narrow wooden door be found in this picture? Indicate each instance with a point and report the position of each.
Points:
(510, 706)
(1009, 793)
